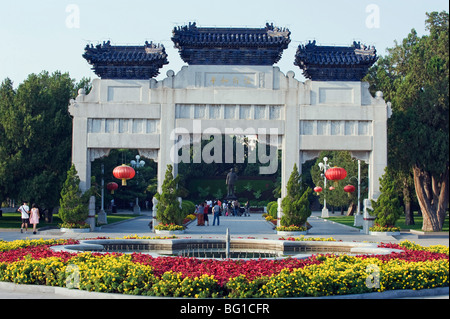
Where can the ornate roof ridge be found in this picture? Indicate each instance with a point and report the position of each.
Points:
(126, 62)
(335, 63)
(226, 46)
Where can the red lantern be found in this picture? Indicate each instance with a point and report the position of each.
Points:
(349, 188)
(336, 173)
(317, 189)
(112, 187)
(331, 188)
(124, 173)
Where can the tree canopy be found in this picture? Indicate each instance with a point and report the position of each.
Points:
(36, 137)
(414, 77)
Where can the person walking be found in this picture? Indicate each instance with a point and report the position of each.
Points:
(216, 211)
(24, 211)
(247, 208)
(34, 217)
(205, 213)
(200, 215)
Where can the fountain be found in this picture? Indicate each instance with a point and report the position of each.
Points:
(223, 248)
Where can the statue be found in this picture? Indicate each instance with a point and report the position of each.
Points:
(231, 180)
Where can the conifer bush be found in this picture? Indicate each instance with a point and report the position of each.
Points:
(168, 207)
(387, 208)
(295, 205)
(73, 204)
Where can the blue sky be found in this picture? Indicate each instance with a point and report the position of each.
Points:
(51, 34)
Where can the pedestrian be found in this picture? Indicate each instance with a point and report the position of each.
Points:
(200, 215)
(247, 209)
(34, 217)
(216, 211)
(229, 209)
(24, 211)
(236, 208)
(205, 213)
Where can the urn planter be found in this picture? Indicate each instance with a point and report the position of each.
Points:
(169, 232)
(384, 233)
(75, 230)
(292, 233)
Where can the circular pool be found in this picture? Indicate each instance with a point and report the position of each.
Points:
(219, 248)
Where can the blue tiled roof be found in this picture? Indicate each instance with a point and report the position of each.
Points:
(126, 62)
(330, 63)
(231, 46)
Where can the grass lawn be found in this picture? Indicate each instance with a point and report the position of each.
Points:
(13, 220)
(349, 220)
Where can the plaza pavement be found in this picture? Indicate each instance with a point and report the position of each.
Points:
(254, 226)
(240, 227)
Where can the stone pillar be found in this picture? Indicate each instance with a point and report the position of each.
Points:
(91, 217)
(279, 212)
(80, 153)
(378, 156)
(290, 145)
(368, 219)
(154, 209)
(167, 126)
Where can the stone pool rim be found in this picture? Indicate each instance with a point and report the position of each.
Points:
(171, 247)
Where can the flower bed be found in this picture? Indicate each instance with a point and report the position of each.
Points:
(292, 228)
(32, 262)
(169, 227)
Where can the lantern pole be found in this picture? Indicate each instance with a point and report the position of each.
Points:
(323, 167)
(101, 218)
(137, 164)
(103, 188)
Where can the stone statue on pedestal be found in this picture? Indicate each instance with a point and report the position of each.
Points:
(230, 181)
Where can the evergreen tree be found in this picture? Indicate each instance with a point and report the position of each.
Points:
(415, 78)
(388, 207)
(168, 210)
(296, 204)
(73, 205)
(36, 137)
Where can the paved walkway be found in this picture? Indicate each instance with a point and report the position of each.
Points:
(254, 226)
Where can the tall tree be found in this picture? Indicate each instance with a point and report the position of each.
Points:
(36, 129)
(415, 76)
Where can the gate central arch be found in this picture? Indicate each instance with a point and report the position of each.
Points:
(230, 85)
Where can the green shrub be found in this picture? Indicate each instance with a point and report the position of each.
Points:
(272, 209)
(187, 207)
(73, 205)
(296, 204)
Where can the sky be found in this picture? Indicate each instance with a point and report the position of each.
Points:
(51, 35)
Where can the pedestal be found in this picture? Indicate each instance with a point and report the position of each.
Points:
(367, 224)
(325, 213)
(101, 218)
(136, 208)
(91, 216)
(359, 219)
